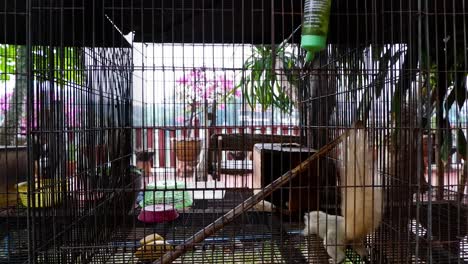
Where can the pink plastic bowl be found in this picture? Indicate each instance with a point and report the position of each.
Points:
(158, 213)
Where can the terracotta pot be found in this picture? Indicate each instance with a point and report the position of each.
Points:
(187, 150)
(145, 166)
(185, 167)
(71, 168)
(425, 149)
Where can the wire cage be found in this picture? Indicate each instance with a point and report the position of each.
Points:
(176, 131)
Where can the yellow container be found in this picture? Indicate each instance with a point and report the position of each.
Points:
(48, 192)
(153, 250)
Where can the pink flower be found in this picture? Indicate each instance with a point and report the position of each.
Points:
(4, 101)
(183, 80)
(198, 74)
(227, 84)
(23, 126)
(70, 111)
(210, 90)
(180, 119)
(198, 87)
(238, 93)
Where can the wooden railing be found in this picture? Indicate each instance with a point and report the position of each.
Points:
(157, 139)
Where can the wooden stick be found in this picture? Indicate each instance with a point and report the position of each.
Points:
(221, 222)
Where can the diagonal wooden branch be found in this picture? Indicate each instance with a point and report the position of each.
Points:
(246, 205)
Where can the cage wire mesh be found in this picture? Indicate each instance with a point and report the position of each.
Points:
(164, 131)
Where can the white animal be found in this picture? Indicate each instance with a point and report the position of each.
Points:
(361, 205)
(263, 205)
(326, 227)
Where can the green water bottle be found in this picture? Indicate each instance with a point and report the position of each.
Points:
(315, 26)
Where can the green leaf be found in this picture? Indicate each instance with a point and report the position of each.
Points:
(458, 91)
(460, 87)
(7, 61)
(450, 99)
(263, 80)
(377, 52)
(246, 87)
(461, 144)
(446, 149)
(288, 67)
(386, 62)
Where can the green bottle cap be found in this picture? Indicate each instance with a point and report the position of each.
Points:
(313, 43)
(310, 56)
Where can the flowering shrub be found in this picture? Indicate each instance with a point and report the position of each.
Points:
(5, 104)
(199, 88)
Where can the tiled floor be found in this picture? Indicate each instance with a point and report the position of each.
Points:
(452, 177)
(225, 181)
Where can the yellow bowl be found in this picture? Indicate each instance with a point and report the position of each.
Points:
(48, 192)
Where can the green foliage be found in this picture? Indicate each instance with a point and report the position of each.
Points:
(62, 65)
(71, 152)
(7, 61)
(264, 83)
(385, 62)
(458, 92)
(446, 149)
(457, 80)
(461, 144)
(67, 63)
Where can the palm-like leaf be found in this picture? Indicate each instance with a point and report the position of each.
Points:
(272, 80)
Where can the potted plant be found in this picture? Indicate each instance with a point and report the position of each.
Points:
(199, 92)
(272, 78)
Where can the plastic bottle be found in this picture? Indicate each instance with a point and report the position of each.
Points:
(315, 26)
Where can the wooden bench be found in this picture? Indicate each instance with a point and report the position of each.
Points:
(220, 143)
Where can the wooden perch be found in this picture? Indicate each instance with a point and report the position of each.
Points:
(246, 205)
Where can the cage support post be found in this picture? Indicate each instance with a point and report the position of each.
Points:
(222, 221)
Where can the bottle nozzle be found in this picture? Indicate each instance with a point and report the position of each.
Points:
(309, 56)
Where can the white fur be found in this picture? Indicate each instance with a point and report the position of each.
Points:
(361, 205)
(361, 187)
(327, 227)
(263, 206)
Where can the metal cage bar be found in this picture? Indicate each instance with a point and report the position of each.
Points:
(123, 119)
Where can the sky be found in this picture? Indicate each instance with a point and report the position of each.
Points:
(158, 65)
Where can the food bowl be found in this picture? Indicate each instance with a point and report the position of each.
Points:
(47, 193)
(158, 213)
